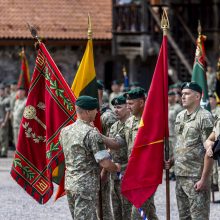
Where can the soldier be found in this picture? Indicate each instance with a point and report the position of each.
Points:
(211, 78)
(108, 118)
(214, 108)
(13, 91)
(192, 164)
(84, 152)
(17, 112)
(135, 100)
(116, 91)
(174, 109)
(4, 116)
(120, 205)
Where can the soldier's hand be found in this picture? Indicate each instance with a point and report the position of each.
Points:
(167, 164)
(208, 146)
(104, 175)
(200, 185)
(209, 152)
(118, 167)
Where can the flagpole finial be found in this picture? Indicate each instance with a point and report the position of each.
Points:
(124, 71)
(89, 27)
(165, 22)
(33, 31)
(199, 28)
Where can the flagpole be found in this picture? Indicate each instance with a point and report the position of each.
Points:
(165, 27)
(89, 34)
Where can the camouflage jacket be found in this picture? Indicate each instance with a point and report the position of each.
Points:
(83, 149)
(108, 118)
(119, 156)
(172, 113)
(129, 132)
(192, 131)
(18, 112)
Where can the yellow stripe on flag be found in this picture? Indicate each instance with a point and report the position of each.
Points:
(86, 71)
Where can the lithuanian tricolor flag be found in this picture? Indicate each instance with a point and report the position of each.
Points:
(85, 80)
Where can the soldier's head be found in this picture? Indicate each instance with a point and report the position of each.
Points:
(2, 89)
(86, 108)
(116, 86)
(13, 86)
(21, 93)
(120, 108)
(212, 100)
(135, 100)
(191, 95)
(171, 97)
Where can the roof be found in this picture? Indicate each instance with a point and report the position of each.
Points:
(55, 19)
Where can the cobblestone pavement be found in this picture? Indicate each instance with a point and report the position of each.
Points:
(16, 204)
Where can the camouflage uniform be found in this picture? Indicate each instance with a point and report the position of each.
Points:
(17, 116)
(112, 96)
(215, 172)
(108, 118)
(120, 205)
(216, 129)
(4, 108)
(173, 112)
(129, 133)
(83, 149)
(192, 131)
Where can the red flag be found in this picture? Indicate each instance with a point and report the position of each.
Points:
(24, 77)
(49, 107)
(145, 165)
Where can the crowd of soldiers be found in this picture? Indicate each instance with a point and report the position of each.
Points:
(95, 158)
(12, 104)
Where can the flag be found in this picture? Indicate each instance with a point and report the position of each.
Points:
(145, 166)
(24, 77)
(84, 83)
(126, 80)
(49, 108)
(217, 87)
(199, 71)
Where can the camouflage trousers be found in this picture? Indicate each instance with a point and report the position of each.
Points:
(121, 207)
(15, 134)
(4, 140)
(82, 205)
(192, 205)
(106, 208)
(149, 209)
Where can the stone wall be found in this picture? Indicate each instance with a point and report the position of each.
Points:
(67, 59)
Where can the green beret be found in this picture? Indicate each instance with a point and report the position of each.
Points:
(115, 82)
(120, 100)
(20, 88)
(135, 93)
(135, 84)
(87, 102)
(193, 86)
(175, 86)
(171, 93)
(100, 85)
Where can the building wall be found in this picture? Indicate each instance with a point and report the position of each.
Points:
(67, 58)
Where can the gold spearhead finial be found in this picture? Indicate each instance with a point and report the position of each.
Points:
(165, 22)
(33, 31)
(199, 28)
(124, 71)
(89, 28)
